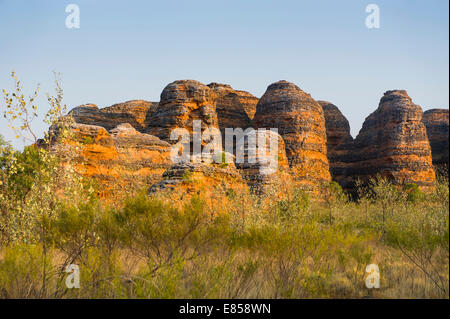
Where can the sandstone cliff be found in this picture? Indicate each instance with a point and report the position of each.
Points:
(393, 142)
(436, 122)
(113, 140)
(300, 122)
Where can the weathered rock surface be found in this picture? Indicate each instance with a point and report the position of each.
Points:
(437, 122)
(261, 166)
(135, 112)
(181, 103)
(215, 105)
(234, 108)
(183, 180)
(121, 158)
(339, 143)
(130, 142)
(393, 143)
(184, 173)
(300, 122)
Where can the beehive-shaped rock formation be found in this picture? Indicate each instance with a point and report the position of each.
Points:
(300, 122)
(182, 102)
(393, 143)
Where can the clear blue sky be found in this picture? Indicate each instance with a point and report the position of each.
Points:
(131, 49)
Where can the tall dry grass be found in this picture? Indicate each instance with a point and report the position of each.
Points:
(280, 248)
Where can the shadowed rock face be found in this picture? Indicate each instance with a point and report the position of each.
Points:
(339, 143)
(133, 112)
(436, 122)
(393, 142)
(300, 122)
(234, 108)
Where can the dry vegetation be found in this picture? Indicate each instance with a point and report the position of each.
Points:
(293, 246)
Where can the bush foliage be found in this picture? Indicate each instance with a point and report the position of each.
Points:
(295, 246)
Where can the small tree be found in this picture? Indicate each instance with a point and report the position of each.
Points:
(42, 174)
(334, 197)
(386, 194)
(413, 193)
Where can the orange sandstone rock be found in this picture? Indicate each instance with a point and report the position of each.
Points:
(135, 112)
(262, 166)
(129, 143)
(181, 103)
(234, 108)
(122, 158)
(300, 122)
(393, 143)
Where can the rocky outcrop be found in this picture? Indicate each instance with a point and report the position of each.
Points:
(181, 103)
(122, 158)
(262, 165)
(174, 176)
(136, 113)
(339, 143)
(184, 180)
(215, 105)
(393, 143)
(300, 122)
(234, 108)
(130, 141)
(437, 121)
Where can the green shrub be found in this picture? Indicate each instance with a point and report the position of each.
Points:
(289, 245)
(87, 140)
(413, 193)
(21, 269)
(187, 176)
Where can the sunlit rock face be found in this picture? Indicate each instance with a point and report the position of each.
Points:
(130, 141)
(136, 113)
(183, 102)
(183, 180)
(339, 143)
(437, 122)
(393, 142)
(261, 166)
(215, 105)
(122, 157)
(300, 122)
